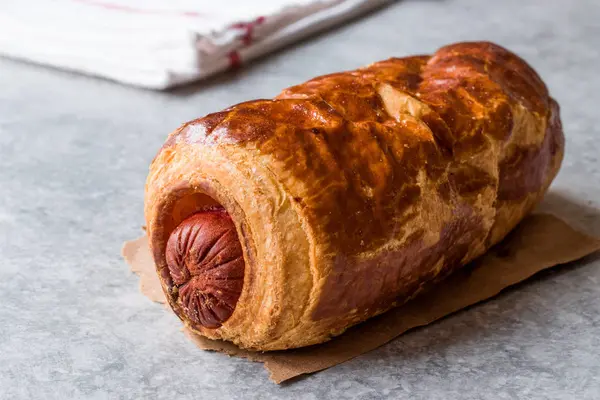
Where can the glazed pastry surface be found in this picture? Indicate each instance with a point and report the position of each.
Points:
(348, 194)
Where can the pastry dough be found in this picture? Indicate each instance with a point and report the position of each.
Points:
(352, 192)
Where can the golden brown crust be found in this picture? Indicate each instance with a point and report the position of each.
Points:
(352, 191)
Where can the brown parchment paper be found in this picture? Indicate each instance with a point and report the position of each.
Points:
(539, 242)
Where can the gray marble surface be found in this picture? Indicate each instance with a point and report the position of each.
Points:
(74, 153)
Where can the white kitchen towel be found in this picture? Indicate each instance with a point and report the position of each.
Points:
(159, 44)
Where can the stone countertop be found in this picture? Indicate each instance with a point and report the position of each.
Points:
(74, 153)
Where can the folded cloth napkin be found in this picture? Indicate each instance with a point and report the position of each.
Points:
(158, 44)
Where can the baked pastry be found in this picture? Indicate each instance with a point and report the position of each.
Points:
(280, 223)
